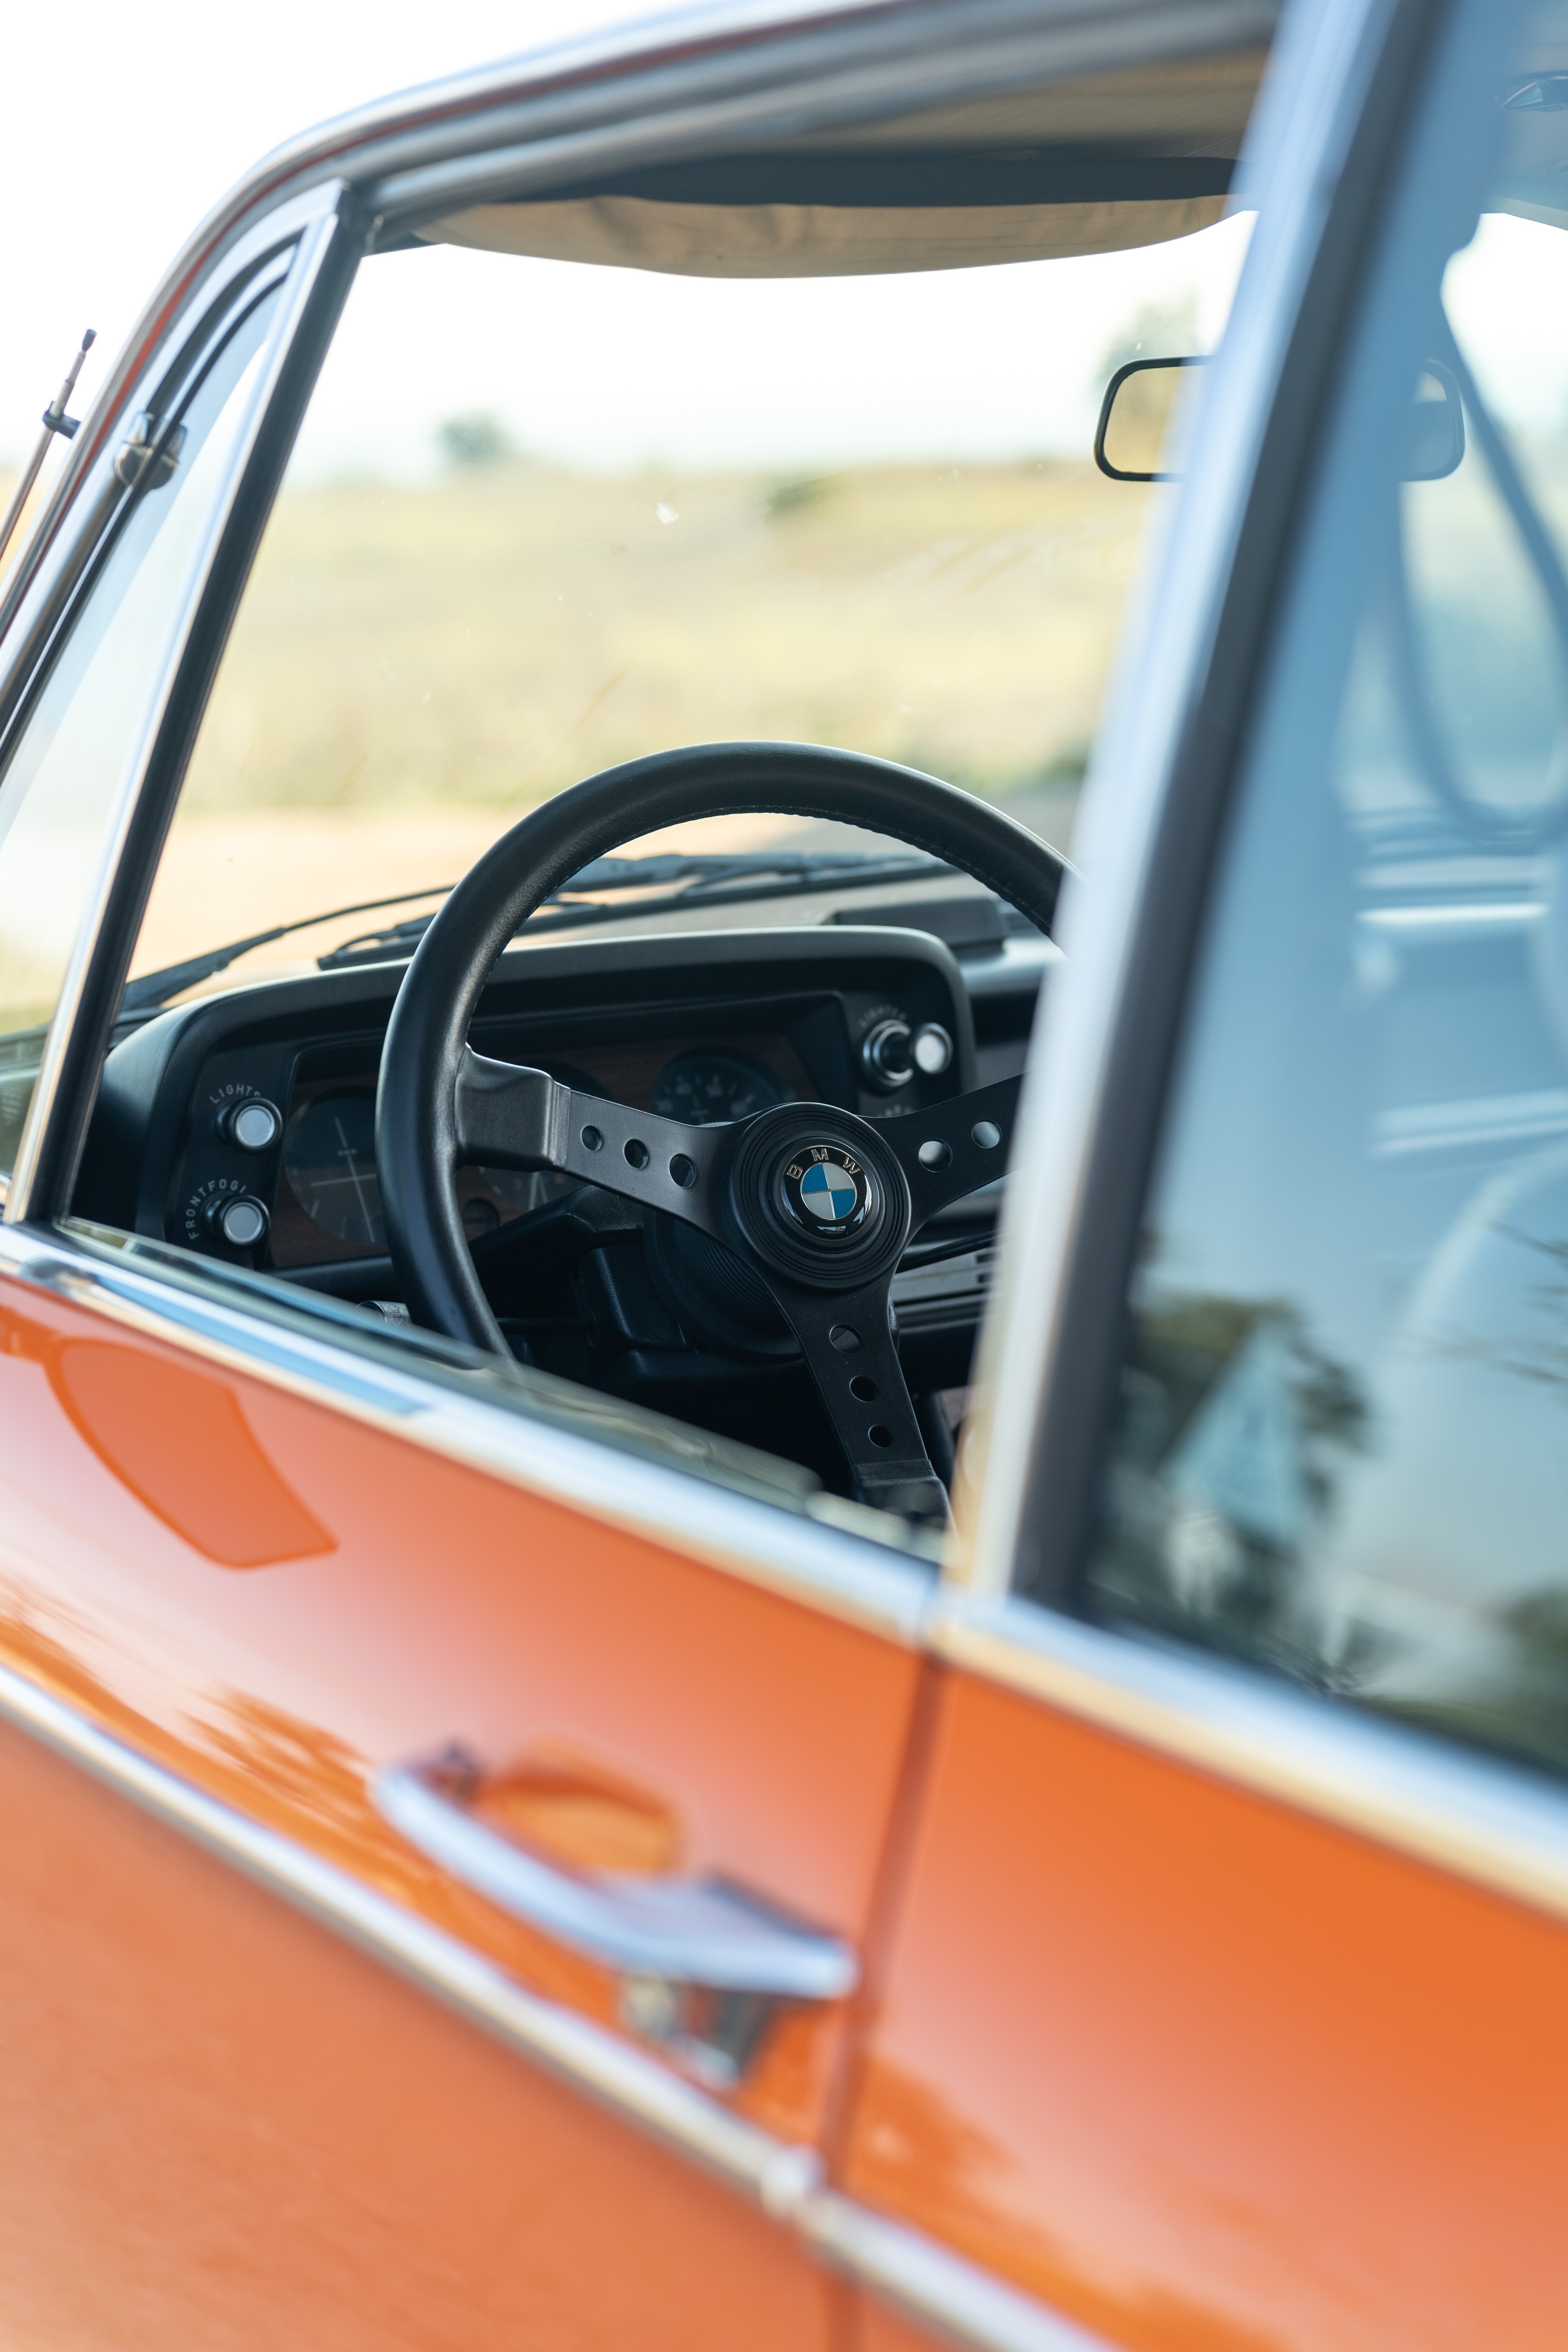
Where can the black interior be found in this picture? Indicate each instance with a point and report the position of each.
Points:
(585, 1284)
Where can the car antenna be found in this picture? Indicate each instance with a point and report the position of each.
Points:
(55, 421)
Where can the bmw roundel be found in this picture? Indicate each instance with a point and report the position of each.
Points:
(825, 1190)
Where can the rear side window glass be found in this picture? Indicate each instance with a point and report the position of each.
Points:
(1342, 1450)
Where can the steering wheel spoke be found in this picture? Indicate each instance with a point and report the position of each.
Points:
(847, 1338)
(510, 1117)
(953, 1147)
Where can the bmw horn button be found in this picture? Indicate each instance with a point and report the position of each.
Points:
(825, 1190)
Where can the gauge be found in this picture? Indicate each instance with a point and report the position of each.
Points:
(329, 1158)
(705, 1089)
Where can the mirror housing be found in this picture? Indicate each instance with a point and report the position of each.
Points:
(1133, 416)
(1139, 398)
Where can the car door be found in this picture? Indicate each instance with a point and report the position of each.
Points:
(301, 1627)
(231, 1596)
(1225, 2004)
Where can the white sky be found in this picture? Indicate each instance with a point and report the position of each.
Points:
(121, 134)
(123, 144)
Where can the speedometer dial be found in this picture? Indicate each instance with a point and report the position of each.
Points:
(706, 1089)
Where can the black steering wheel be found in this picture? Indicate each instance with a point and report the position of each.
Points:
(816, 1201)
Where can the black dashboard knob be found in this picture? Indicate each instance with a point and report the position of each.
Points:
(237, 1218)
(885, 1055)
(252, 1122)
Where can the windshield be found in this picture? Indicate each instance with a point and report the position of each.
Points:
(543, 516)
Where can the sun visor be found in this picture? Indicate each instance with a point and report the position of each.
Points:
(815, 240)
(1090, 164)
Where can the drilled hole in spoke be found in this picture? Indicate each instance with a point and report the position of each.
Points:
(862, 1388)
(684, 1172)
(636, 1152)
(879, 1436)
(935, 1155)
(592, 1139)
(844, 1337)
(985, 1135)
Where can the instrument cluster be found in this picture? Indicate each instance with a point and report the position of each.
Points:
(328, 1206)
(242, 1126)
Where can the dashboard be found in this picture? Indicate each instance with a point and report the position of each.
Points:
(241, 1127)
(267, 1094)
(326, 1201)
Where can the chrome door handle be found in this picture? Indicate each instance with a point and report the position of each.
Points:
(684, 1930)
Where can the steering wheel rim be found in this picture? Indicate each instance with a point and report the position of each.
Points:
(425, 1131)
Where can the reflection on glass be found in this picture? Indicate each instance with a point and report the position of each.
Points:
(1342, 1451)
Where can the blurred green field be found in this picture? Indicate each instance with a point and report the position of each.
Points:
(415, 665)
(497, 633)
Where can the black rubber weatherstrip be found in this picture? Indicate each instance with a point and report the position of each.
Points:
(900, 178)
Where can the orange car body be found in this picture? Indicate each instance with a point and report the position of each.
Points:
(1172, 2058)
(1172, 2030)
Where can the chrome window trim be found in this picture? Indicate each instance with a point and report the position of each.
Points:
(804, 1559)
(314, 238)
(784, 2180)
(1489, 1823)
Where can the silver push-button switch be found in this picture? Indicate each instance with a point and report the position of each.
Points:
(932, 1050)
(237, 1219)
(255, 1123)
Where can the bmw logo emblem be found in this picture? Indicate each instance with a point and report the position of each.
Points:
(825, 1190)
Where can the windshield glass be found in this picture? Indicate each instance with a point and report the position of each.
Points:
(544, 517)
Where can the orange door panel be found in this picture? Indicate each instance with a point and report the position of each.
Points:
(1203, 2072)
(270, 1600)
(225, 2127)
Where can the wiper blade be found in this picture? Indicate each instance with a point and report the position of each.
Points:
(577, 900)
(155, 988)
(711, 881)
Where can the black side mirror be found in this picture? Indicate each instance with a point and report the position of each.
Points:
(1133, 416)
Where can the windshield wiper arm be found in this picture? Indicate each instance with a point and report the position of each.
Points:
(708, 881)
(577, 900)
(155, 988)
